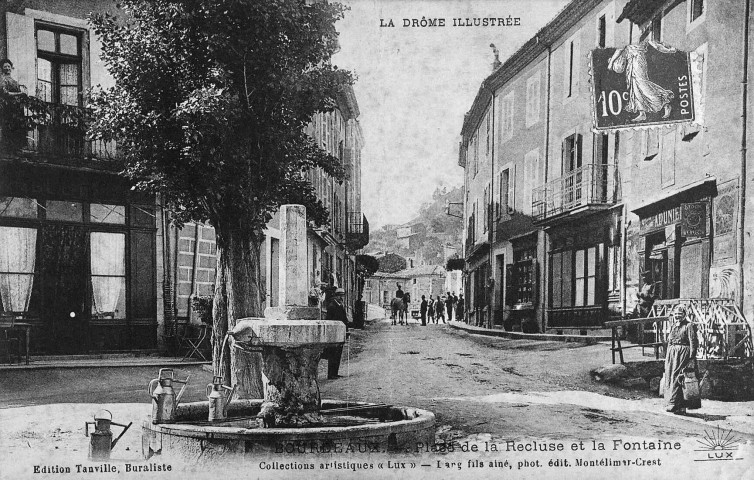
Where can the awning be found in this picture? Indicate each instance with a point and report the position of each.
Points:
(639, 11)
(687, 193)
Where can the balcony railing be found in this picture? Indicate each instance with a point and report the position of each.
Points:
(358, 231)
(588, 186)
(53, 130)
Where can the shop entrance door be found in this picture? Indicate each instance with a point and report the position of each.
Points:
(64, 266)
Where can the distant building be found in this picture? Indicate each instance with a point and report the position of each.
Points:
(425, 280)
(411, 235)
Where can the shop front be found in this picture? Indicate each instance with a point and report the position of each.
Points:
(77, 260)
(582, 266)
(674, 243)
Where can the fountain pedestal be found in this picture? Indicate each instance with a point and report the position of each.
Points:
(291, 350)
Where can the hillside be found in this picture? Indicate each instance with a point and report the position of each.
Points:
(431, 229)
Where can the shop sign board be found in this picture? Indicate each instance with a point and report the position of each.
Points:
(694, 220)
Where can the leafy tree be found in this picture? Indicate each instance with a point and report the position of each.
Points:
(366, 265)
(454, 263)
(391, 263)
(209, 107)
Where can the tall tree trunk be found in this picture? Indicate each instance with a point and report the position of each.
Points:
(238, 294)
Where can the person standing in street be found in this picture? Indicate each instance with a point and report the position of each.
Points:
(431, 310)
(423, 311)
(440, 309)
(449, 306)
(455, 307)
(680, 356)
(461, 309)
(336, 310)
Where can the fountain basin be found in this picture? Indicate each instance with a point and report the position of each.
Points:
(367, 429)
(289, 333)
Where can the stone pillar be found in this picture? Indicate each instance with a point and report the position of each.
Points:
(293, 280)
(293, 274)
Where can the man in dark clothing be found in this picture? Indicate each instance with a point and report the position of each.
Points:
(461, 309)
(423, 309)
(336, 310)
(399, 292)
(449, 306)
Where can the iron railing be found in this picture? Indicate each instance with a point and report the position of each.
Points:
(586, 186)
(357, 235)
(55, 130)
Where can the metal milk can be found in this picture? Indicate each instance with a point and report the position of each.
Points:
(164, 399)
(102, 441)
(218, 401)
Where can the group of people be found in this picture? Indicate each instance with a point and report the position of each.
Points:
(433, 310)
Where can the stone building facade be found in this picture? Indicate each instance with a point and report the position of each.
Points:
(561, 218)
(95, 266)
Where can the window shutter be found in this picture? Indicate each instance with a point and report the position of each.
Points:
(510, 287)
(577, 147)
(22, 50)
(512, 189)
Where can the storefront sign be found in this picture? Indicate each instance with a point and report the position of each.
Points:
(694, 220)
(648, 83)
(661, 219)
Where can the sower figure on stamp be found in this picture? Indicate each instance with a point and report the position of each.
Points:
(681, 355)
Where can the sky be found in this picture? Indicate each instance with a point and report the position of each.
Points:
(414, 86)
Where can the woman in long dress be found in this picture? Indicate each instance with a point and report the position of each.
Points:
(681, 354)
(643, 94)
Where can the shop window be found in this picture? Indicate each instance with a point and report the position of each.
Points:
(108, 274)
(17, 259)
(64, 211)
(18, 207)
(104, 213)
(521, 278)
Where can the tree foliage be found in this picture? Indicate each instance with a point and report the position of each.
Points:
(366, 265)
(391, 263)
(210, 102)
(454, 263)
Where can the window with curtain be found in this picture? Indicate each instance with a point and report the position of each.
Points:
(58, 66)
(18, 249)
(108, 274)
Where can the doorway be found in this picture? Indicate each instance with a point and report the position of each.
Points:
(64, 265)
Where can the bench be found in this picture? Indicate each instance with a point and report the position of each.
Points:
(616, 345)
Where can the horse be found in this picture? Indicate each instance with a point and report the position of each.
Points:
(399, 310)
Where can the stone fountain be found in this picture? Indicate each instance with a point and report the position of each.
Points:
(292, 416)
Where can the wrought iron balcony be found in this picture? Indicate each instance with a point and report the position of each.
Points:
(54, 131)
(357, 236)
(591, 187)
